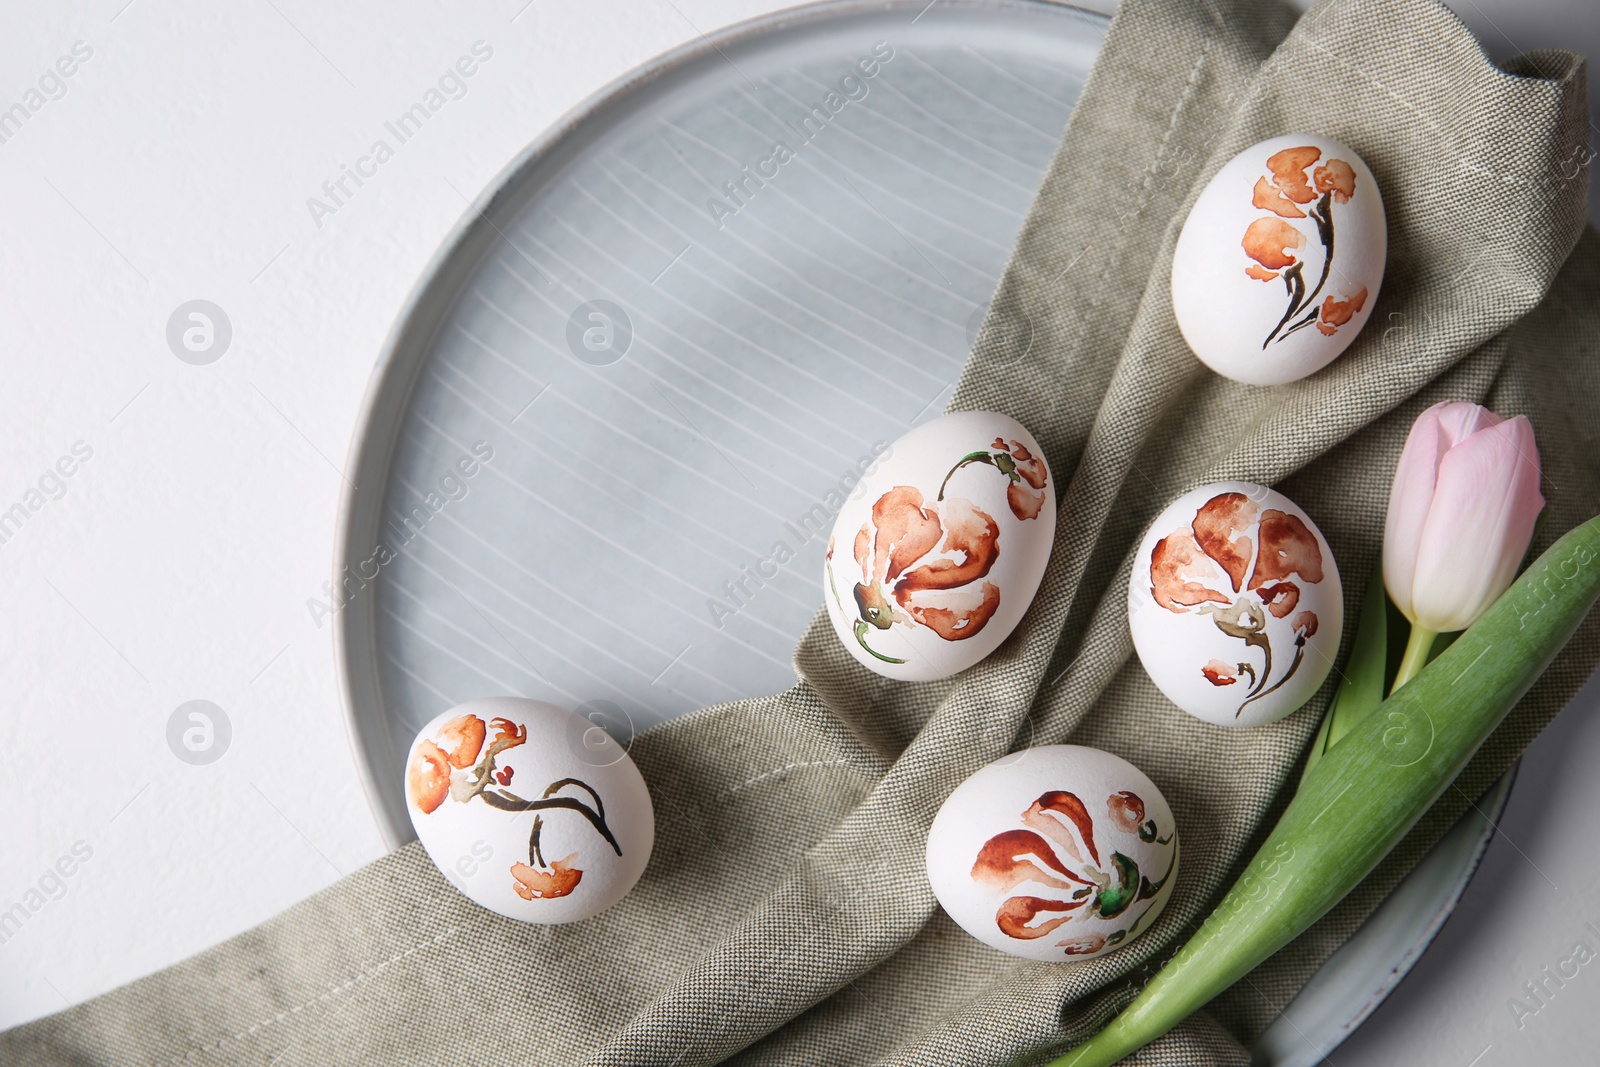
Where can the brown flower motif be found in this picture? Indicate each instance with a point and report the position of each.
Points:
(1288, 169)
(1058, 855)
(428, 777)
(561, 879)
(924, 564)
(1336, 177)
(1083, 946)
(508, 734)
(1127, 810)
(1026, 471)
(1268, 241)
(1269, 197)
(1335, 313)
(1274, 244)
(462, 739)
(1214, 566)
(1025, 494)
(454, 764)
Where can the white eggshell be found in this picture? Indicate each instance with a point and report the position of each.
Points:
(568, 776)
(1230, 305)
(1233, 633)
(920, 587)
(1054, 853)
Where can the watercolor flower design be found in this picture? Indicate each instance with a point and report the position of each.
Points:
(455, 765)
(1027, 473)
(923, 564)
(1074, 874)
(1294, 179)
(926, 563)
(1234, 562)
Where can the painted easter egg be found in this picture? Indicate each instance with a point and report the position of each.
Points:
(1235, 604)
(528, 809)
(1279, 262)
(1054, 853)
(938, 551)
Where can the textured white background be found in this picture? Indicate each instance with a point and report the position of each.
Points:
(177, 562)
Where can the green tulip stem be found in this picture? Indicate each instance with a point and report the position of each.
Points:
(1418, 646)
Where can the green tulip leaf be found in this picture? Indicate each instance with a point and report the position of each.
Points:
(1365, 674)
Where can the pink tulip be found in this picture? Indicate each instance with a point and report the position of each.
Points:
(1461, 514)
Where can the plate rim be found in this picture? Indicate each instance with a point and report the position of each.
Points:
(394, 374)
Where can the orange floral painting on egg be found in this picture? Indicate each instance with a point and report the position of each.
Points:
(1274, 242)
(926, 563)
(1068, 873)
(1234, 561)
(454, 765)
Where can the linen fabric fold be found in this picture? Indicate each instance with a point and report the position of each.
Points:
(785, 917)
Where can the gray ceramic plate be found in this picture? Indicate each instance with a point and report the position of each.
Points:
(595, 452)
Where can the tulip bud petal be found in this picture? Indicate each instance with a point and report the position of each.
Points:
(1435, 432)
(1409, 499)
(1485, 501)
(1458, 420)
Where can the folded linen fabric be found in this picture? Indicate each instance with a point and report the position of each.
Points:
(785, 917)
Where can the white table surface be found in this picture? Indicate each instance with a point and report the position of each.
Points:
(176, 562)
